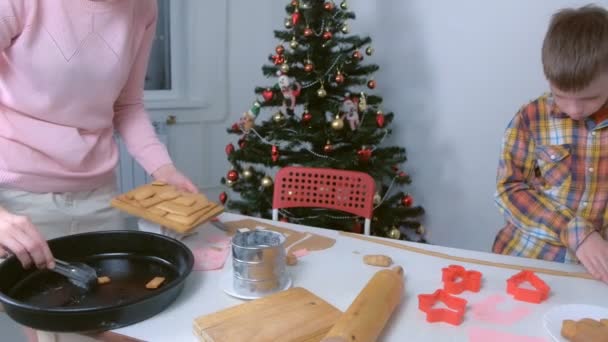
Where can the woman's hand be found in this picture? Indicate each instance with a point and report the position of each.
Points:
(170, 175)
(19, 236)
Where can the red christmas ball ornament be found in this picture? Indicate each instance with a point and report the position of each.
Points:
(328, 148)
(278, 59)
(294, 3)
(407, 200)
(380, 119)
(242, 143)
(327, 35)
(295, 17)
(306, 118)
(402, 174)
(339, 78)
(371, 84)
(364, 154)
(267, 94)
(235, 127)
(274, 153)
(357, 55)
(229, 149)
(280, 49)
(223, 197)
(308, 32)
(232, 176)
(284, 219)
(395, 168)
(308, 67)
(329, 6)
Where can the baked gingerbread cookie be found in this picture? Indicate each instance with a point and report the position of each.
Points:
(161, 203)
(585, 330)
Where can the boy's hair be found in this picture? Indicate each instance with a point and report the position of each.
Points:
(575, 48)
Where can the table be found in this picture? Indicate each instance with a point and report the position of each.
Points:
(338, 274)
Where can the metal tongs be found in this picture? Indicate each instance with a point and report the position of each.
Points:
(78, 273)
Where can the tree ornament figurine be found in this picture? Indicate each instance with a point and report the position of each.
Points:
(247, 120)
(350, 108)
(290, 90)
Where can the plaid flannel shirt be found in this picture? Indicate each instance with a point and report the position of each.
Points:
(552, 182)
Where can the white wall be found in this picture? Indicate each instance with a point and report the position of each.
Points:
(453, 72)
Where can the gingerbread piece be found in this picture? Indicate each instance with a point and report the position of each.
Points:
(157, 211)
(377, 260)
(184, 201)
(155, 283)
(169, 195)
(144, 193)
(158, 183)
(586, 329)
(168, 207)
(149, 202)
(181, 210)
(103, 280)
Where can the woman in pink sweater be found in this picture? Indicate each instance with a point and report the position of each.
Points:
(71, 74)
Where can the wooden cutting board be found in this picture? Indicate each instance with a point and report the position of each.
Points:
(292, 315)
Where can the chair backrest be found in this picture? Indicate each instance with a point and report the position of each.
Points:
(348, 191)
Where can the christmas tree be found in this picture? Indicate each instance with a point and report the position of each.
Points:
(320, 112)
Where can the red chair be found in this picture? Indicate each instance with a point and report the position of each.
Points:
(347, 191)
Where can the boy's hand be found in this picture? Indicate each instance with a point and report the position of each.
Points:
(593, 254)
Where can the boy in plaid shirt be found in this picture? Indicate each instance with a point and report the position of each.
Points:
(552, 183)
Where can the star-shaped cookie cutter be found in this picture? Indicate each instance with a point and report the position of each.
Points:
(457, 280)
(537, 295)
(454, 314)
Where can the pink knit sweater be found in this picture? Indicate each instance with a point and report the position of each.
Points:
(71, 73)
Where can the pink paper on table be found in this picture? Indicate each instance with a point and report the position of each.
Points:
(486, 310)
(477, 334)
(220, 240)
(300, 252)
(209, 258)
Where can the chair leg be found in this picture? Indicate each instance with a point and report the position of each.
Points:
(275, 214)
(367, 226)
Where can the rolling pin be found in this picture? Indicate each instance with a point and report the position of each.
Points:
(367, 315)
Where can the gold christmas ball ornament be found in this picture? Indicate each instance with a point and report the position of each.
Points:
(266, 182)
(229, 183)
(284, 68)
(279, 117)
(377, 198)
(394, 233)
(344, 5)
(369, 51)
(337, 124)
(247, 173)
(321, 92)
(293, 43)
(345, 29)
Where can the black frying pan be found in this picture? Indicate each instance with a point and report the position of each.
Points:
(47, 301)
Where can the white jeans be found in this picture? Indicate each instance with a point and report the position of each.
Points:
(61, 214)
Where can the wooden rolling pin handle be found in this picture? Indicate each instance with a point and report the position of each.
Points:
(367, 315)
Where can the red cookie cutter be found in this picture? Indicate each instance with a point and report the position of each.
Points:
(453, 315)
(469, 280)
(539, 294)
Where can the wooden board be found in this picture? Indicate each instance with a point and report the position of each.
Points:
(162, 204)
(294, 315)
